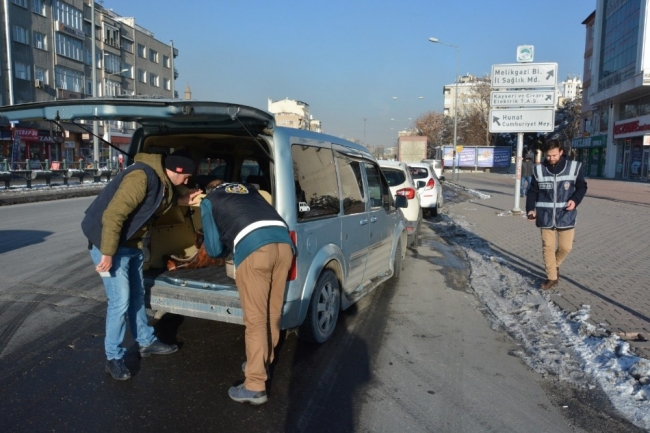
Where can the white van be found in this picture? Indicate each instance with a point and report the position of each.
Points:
(342, 217)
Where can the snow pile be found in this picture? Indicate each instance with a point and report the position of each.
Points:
(565, 345)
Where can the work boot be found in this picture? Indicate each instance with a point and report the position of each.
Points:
(118, 369)
(157, 348)
(548, 284)
(242, 395)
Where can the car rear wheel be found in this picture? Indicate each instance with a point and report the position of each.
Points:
(323, 310)
(397, 261)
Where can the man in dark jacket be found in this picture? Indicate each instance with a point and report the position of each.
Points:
(249, 227)
(115, 224)
(557, 188)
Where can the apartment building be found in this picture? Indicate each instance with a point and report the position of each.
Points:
(47, 54)
(293, 114)
(615, 118)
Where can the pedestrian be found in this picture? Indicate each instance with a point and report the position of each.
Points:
(557, 188)
(526, 175)
(116, 223)
(236, 218)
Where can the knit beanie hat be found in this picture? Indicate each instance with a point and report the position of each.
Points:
(180, 162)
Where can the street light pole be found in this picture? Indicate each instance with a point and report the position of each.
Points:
(436, 41)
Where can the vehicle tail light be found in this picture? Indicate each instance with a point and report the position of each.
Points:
(409, 193)
(430, 184)
(293, 270)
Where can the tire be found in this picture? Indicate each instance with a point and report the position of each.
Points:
(397, 261)
(323, 310)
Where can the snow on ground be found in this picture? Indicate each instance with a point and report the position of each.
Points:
(554, 342)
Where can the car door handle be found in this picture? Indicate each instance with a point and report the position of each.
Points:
(363, 222)
(373, 219)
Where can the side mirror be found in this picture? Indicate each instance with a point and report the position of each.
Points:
(421, 184)
(401, 201)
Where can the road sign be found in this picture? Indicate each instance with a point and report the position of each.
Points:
(522, 120)
(518, 75)
(459, 148)
(523, 98)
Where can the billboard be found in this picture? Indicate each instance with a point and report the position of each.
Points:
(479, 156)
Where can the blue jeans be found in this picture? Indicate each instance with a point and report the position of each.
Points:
(525, 184)
(125, 293)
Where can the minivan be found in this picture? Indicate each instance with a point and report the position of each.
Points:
(344, 221)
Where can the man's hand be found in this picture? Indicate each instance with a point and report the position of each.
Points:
(531, 215)
(105, 264)
(188, 198)
(570, 205)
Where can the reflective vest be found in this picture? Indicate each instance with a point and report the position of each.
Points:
(555, 190)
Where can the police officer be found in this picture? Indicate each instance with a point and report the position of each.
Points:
(557, 188)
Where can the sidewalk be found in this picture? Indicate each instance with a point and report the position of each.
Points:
(609, 267)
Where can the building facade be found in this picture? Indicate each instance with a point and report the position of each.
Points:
(47, 54)
(293, 114)
(615, 120)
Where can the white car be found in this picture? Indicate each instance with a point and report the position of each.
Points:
(438, 167)
(428, 185)
(400, 183)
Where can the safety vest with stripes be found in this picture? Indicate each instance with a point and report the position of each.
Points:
(555, 190)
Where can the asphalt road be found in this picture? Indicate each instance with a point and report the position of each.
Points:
(415, 355)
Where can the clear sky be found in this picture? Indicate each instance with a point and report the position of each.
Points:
(347, 59)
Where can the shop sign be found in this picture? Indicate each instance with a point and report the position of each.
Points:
(646, 140)
(593, 141)
(26, 134)
(70, 30)
(632, 127)
(68, 144)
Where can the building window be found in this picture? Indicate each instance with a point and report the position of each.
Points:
(69, 47)
(22, 3)
(21, 35)
(153, 55)
(22, 71)
(142, 76)
(128, 70)
(68, 15)
(40, 41)
(38, 7)
(142, 52)
(620, 32)
(153, 80)
(89, 87)
(127, 45)
(166, 62)
(40, 74)
(69, 79)
(111, 36)
(111, 63)
(167, 84)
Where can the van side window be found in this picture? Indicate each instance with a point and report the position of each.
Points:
(377, 188)
(354, 200)
(316, 183)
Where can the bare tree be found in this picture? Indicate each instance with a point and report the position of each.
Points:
(437, 127)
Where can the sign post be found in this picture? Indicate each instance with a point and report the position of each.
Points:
(524, 102)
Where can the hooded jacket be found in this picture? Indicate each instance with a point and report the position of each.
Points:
(125, 209)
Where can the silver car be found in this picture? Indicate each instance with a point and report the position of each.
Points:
(345, 223)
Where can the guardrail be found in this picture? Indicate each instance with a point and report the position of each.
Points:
(33, 170)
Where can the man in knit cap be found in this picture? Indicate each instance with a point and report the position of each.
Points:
(115, 224)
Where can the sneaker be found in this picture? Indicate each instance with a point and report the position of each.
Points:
(242, 395)
(268, 372)
(157, 348)
(548, 284)
(118, 369)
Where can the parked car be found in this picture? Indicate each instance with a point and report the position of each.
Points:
(400, 182)
(438, 166)
(429, 187)
(342, 217)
